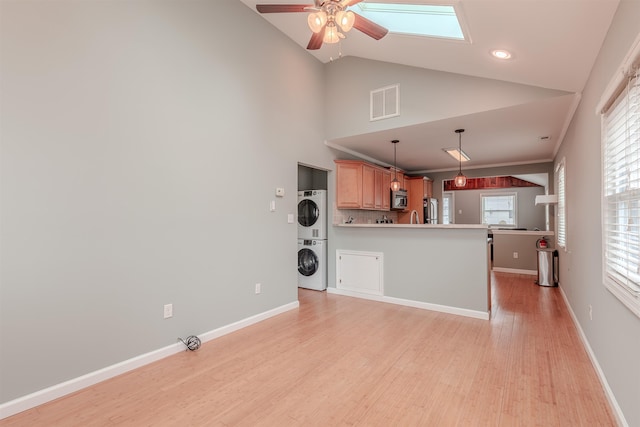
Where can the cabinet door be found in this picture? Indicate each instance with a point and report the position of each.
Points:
(415, 196)
(428, 188)
(403, 181)
(378, 182)
(386, 190)
(348, 185)
(368, 187)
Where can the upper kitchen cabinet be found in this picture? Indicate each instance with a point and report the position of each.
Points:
(361, 185)
(421, 187)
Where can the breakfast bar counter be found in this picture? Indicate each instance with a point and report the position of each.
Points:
(442, 267)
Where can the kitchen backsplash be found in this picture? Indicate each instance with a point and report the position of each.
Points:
(341, 216)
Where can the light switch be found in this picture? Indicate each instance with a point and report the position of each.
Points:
(279, 192)
(272, 206)
(290, 219)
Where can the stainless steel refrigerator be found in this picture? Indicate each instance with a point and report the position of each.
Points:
(430, 211)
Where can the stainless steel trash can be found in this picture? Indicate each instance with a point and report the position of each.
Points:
(547, 267)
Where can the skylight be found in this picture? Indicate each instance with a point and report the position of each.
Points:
(416, 19)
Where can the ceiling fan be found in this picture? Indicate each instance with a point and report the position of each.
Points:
(327, 18)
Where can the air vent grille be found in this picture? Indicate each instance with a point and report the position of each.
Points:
(385, 103)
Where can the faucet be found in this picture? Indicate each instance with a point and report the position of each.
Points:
(416, 216)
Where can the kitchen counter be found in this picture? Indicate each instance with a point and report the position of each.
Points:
(417, 226)
(522, 232)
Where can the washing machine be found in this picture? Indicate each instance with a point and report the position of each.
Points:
(312, 214)
(312, 264)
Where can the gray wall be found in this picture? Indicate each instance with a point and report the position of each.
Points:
(425, 95)
(142, 142)
(423, 264)
(528, 214)
(504, 245)
(614, 332)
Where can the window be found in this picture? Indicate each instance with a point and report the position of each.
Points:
(499, 209)
(621, 194)
(447, 208)
(561, 220)
(425, 20)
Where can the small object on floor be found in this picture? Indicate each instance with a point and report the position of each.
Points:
(192, 342)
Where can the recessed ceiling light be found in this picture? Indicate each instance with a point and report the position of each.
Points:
(501, 54)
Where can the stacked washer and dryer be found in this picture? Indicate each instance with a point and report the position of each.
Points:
(312, 239)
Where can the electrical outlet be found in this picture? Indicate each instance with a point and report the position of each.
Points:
(258, 288)
(515, 255)
(590, 312)
(168, 311)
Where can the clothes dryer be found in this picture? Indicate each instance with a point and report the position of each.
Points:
(312, 214)
(312, 264)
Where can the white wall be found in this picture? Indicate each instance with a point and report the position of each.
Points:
(141, 144)
(614, 332)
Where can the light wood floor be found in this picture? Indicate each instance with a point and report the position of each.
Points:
(344, 361)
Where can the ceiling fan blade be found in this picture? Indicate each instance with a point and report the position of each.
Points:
(316, 39)
(370, 28)
(282, 8)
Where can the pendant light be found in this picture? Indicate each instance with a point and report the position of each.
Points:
(395, 184)
(460, 180)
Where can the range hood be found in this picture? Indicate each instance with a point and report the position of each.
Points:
(546, 199)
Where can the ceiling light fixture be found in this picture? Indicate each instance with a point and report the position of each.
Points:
(460, 180)
(459, 156)
(501, 54)
(395, 184)
(332, 18)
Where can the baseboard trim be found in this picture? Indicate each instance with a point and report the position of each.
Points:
(515, 271)
(617, 411)
(411, 303)
(59, 390)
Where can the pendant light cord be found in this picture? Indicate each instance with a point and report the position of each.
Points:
(395, 163)
(460, 152)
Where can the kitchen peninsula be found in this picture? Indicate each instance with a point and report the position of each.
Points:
(441, 267)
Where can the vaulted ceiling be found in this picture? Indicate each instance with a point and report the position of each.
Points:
(554, 45)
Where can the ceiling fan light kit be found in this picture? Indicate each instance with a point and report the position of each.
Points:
(327, 19)
(317, 21)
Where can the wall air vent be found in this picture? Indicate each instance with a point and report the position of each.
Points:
(385, 103)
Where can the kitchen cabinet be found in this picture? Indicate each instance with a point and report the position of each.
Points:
(368, 187)
(422, 187)
(361, 185)
(348, 185)
(418, 189)
(386, 195)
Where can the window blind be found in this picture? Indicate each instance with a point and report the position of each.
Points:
(560, 207)
(621, 193)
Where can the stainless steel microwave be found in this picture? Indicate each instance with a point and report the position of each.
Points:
(398, 200)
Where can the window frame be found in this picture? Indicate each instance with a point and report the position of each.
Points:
(449, 195)
(561, 206)
(621, 237)
(500, 194)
